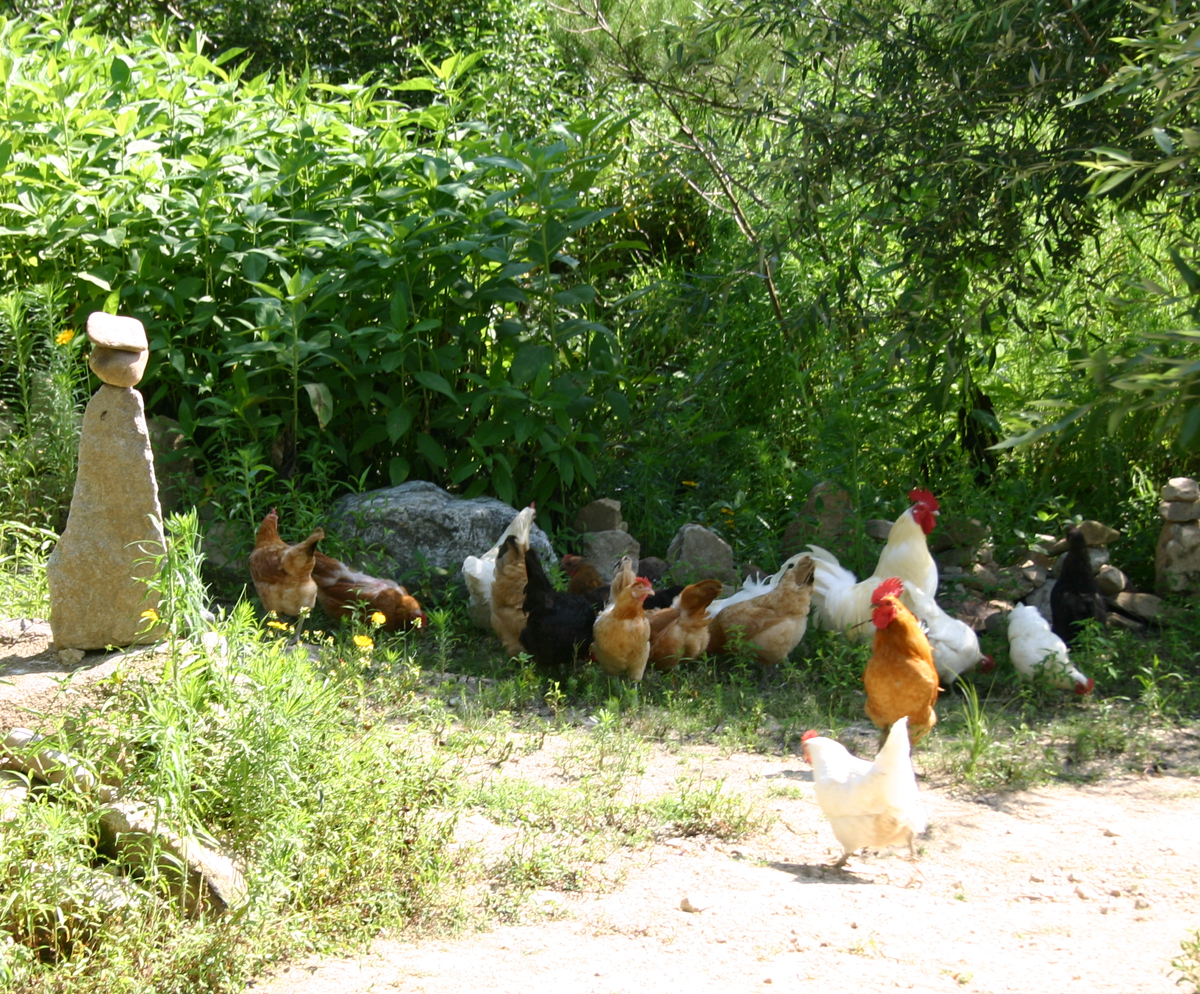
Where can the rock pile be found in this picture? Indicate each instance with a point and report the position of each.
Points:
(98, 569)
(1177, 560)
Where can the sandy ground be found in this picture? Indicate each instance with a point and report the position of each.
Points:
(1059, 889)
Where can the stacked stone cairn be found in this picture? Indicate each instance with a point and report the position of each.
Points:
(98, 569)
(1177, 562)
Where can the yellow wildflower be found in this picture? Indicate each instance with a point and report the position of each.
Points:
(364, 642)
(151, 614)
(378, 618)
(280, 625)
(64, 337)
(689, 483)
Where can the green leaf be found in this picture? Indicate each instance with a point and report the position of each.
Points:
(398, 470)
(434, 454)
(118, 71)
(321, 399)
(528, 362)
(398, 421)
(435, 382)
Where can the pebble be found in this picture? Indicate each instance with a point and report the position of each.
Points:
(1141, 904)
(70, 657)
(1072, 879)
(1114, 893)
(1083, 893)
(1111, 834)
(1035, 879)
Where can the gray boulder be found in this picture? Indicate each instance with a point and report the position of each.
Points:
(697, 553)
(418, 525)
(604, 550)
(878, 529)
(1040, 599)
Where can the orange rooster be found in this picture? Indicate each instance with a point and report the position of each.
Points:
(282, 573)
(621, 635)
(508, 594)
(343, 592)
(681, 632)
(900, 678)
(772, 623)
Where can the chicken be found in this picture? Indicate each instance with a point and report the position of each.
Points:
(954, 643)
(900, 678)
(480, 571)
(845, 604)
(585, 580)
(344, 592)
(282, 573)
(508, 593)
(664, 598)
(774, 622)
(621, 635)
(867, 804)
(681, 632)
(754, 586)
(1034, 648)
(1076, 595)
(559, 626)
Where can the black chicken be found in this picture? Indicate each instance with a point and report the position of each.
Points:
(1076, 596)
(559, 626)
(663, 598)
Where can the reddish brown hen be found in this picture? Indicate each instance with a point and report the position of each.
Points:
(344, 592)
(282, 573)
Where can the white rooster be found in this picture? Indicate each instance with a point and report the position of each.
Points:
(480, 571)
(867, 804)
(1034, 648)
(844, 602)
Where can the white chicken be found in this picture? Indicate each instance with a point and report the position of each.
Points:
(867, 804)
(480, 571)
(1034, 648)
(954, 643)
(844, 602)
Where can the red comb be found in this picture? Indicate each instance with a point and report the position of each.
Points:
(642, 579)
(812, 733)
(893, 586)
(920, 496)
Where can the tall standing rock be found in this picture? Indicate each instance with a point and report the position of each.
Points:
(97, 570)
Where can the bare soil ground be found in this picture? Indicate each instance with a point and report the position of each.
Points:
(1058, 889)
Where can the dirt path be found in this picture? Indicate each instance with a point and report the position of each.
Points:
(1058, 889)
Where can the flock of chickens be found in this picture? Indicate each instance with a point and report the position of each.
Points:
(624, 626)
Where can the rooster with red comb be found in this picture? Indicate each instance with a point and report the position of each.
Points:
(844, 603)
(900, 679)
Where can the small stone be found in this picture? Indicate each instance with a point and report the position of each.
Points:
(600, 516)
(1095, 533)
(1072, 879)
(878, 529)
(118, 367)
(1106, 908)
(1178, 510)
(604, 550)
(1143, 605)
(653, 569)
(1110, 833)
(1035, 879)
(694, 907)
(112, 331)
(13, 792)
(1113, 892)
(696, 553)
(1182, 488)
(1141, 904)
(70, 657)
(984, 576)
(1035, 574)
(1111, 580)
(1084, 893)
(1188, 537)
